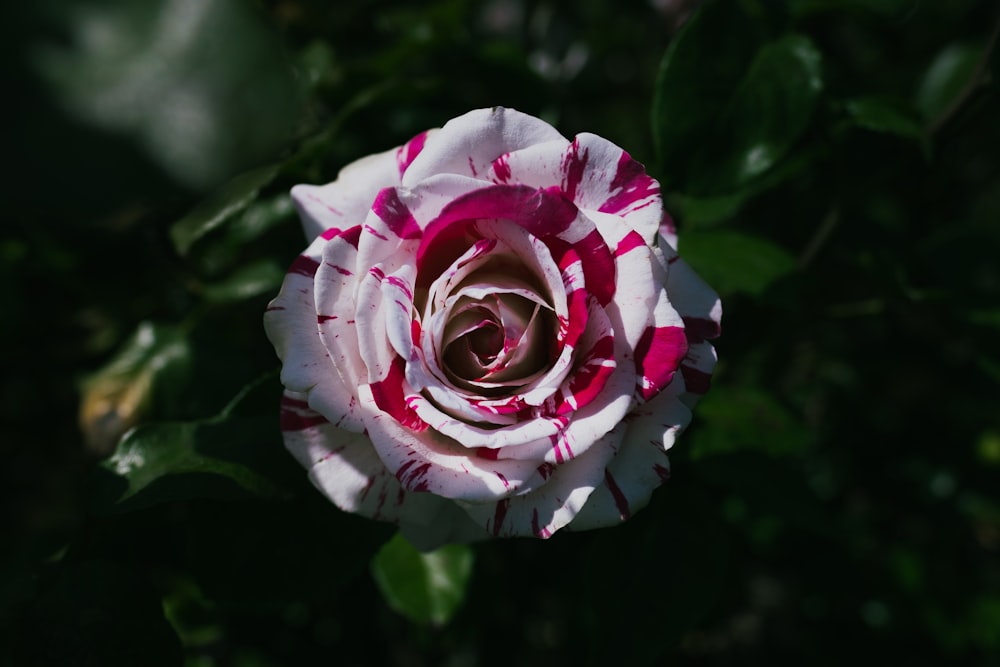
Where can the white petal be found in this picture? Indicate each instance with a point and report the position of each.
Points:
(543, 511)
(346, 201)
(467, 145)
(291, 324)
(641, 464)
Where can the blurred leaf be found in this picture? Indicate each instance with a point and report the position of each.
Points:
(945, 79)
(734, 262)
(230, 201)
(700, 71)
(655, 577)
(765, 116)
(740, 418)
(728, 103)
(202, 85)
(260, 217)
(260, 277)
(706, 211)
(96, 613)
(427, 588)
(117, 396)
(888, 116)
(226, 456)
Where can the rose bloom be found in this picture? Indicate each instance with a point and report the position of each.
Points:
(490, 334)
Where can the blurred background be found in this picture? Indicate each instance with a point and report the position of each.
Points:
(834, 170)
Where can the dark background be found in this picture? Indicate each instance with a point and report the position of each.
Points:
(834, 168)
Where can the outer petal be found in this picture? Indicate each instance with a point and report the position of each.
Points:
(346, 469)
(467, 145)
(701, 311)
(594, 173)
(345, 202)
(542, 512)
(291, 324)
(641, 464)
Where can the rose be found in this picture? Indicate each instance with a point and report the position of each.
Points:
(490, 334)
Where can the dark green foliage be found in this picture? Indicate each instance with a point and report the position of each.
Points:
(833, 167)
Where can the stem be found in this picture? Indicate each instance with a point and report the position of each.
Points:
(819, 237)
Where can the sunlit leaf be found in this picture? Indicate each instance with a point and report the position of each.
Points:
(230, 455)
(427, 588)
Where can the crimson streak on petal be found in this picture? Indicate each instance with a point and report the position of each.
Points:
(657, 355)
(388, 396)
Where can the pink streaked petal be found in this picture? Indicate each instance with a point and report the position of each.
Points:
(540, 212)
(291, 324)
(641, 464)
(429, 461)
(640, 299)
(391, 209)
(335, 304)
(691, 296)
(596, 260)
(491, 430)
(657, 357)
(696, 369)
(467, 145)
(409, 151)
(595, 173)
(345, 202)
(542, 512)
(344, 466)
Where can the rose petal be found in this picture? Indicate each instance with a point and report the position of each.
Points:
(641, 464)
(344, 202)
(542, 512)
(595, 174)
(291, 324)
(467, 145)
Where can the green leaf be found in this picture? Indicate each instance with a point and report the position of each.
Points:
(733, 262)
(261, 277)
(700, 70)
(230, 455)
(706, 211)
(888, 116)
(729, 102)
(767, 114)
(230, 201)
(945, 79)
(733, 419)
(427, 588)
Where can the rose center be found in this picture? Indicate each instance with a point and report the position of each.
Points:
(496, 339)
